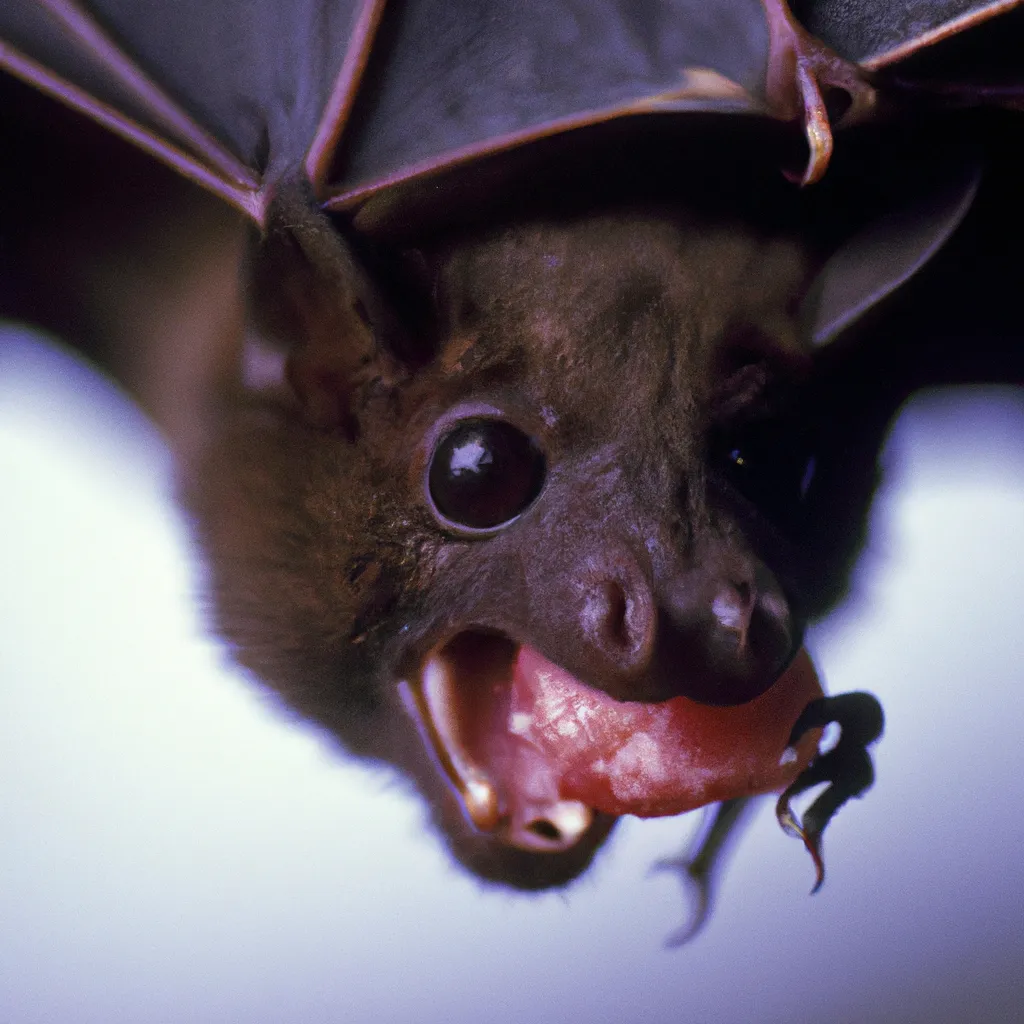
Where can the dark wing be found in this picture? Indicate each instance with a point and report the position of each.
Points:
(237, 93)
(362, 94)
(881, 33)
(450, 82)
(231, 93)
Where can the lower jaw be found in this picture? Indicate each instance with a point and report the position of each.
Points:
(536, 757)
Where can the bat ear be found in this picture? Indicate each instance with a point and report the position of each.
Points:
(881, 257)
(311, 295)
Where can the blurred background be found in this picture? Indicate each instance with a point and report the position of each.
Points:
(174, 848)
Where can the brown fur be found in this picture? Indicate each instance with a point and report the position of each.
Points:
(613, 340)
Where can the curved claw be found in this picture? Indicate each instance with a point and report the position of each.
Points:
(792, 826)
(698, 886)
(699, 869)
(799, 67)
(847, 767)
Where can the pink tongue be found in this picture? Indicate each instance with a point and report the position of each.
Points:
(650, 759)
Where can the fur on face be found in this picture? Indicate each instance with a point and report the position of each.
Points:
(615, 342)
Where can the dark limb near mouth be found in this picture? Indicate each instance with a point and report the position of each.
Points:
(701, 866)
(847, 767)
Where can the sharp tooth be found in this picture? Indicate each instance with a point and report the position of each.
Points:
(571, 818)
(437, 687)
(480, 799)
(433, 701)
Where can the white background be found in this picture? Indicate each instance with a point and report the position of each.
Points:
(174, 849)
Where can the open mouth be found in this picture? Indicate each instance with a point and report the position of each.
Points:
(534, 754)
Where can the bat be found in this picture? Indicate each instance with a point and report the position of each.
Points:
(518, 481)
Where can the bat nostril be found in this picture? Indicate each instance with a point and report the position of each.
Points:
(732, 607)
(747, 646)
(618, 621)
(724, 635)
(621, 621)
(617, 606)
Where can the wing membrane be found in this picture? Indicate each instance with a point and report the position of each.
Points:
(448, 82)
(239, 93)
(878, 33)
(231, 93)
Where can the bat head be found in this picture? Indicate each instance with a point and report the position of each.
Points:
(552, 470)
(572, 466)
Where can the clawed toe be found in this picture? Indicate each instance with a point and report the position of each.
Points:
(700, 868)
(846, 768)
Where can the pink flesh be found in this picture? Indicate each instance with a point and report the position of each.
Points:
(553, 737)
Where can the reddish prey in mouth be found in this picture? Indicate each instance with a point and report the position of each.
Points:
(533, 752)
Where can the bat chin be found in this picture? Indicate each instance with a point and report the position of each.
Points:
(542, 763)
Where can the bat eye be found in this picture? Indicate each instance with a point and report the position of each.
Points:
(788, 479)
(772, 467)
(484, 473)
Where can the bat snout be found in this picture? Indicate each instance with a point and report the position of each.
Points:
(714, 636)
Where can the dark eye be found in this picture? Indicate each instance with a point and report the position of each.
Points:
(485, 473)
(772, 465)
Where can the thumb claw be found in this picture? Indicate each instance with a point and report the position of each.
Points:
(800, 67)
